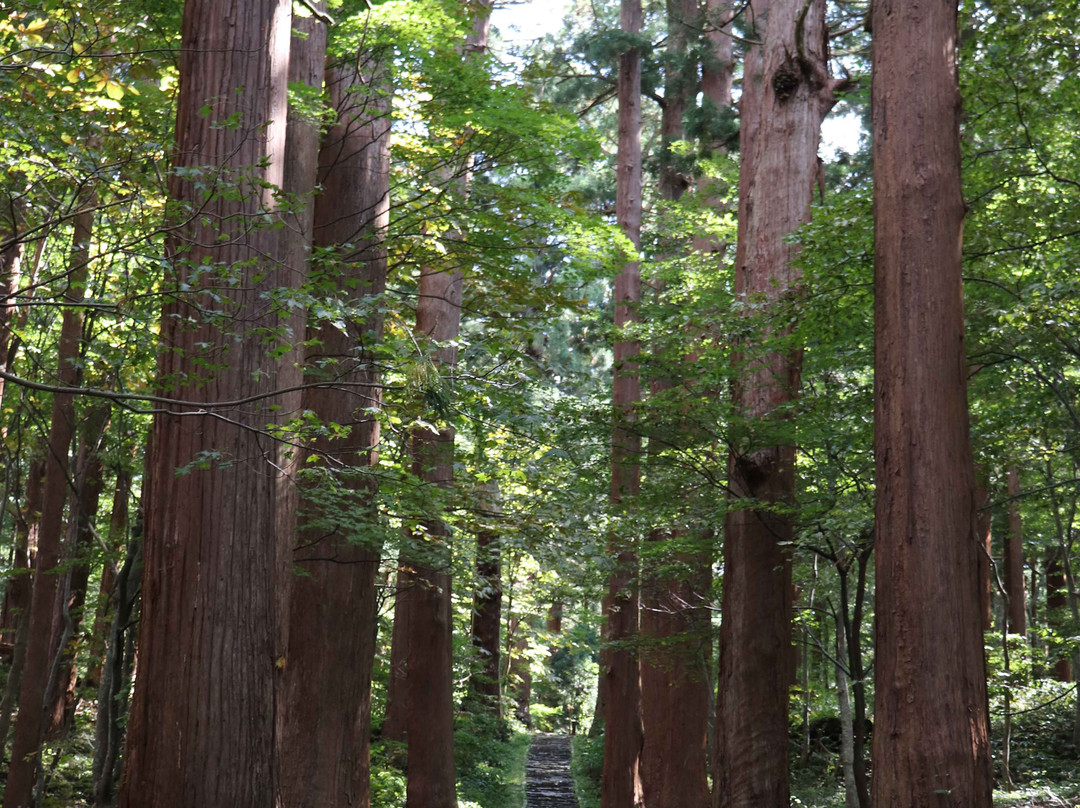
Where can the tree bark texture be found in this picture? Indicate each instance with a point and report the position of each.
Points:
(427, 617)
(786, 95)
(931, 715)
(395, 722)
(215, 588)
(1016, 611)
(116, 669)
(30, 723)
(105, 606)
(485, 684)
(70, 607)
(621, 777)
(333, 614)
(983, 536)
(675, 647)
(18, 593)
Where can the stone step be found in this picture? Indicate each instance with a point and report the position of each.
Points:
(548, 783)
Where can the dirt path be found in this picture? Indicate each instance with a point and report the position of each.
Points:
(548, 783)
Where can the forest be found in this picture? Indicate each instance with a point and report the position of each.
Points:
(392, 403)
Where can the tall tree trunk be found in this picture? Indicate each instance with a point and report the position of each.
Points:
(786, 95)
(847, 724)
(428, 613)
(621, 779)
(983, 536)
(116, 670)
(115, 542)
(68, 616)
(674, 626)
(1016, 610)
(30, 724)
(333, 616)
(213, 628)
(12, 247)
(395, 723)
(18, 593)
(484, 683)
(931, 715)
(519, 671)
(1056, 604)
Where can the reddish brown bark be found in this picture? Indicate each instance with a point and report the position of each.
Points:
(332, 630)
(426, 613)
(484, 684)
(786, 95)
(1016, 610)
(18, 593)
(216, 574)
(30, 724)
(983, 536)
(675, 686)
(395, 723)
(621, 778)
(427, 618)
(930, 718)
(1057, 602)
(68, 617)
(118, 525)
(675, 642)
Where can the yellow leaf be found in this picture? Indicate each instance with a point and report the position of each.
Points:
(73, 75)
(68, 139)
(114, 90)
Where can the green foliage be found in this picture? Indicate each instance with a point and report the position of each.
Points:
(586, 765)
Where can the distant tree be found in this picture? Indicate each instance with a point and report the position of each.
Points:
(621, 785)
(30, 723)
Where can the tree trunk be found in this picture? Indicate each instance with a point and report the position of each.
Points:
(12, 207)
(30, 724)
(674, 627)
(116, 670)
(68, 616)
(395, 723)
(428, 618)
(428, 613)
(18, 593)
(786, 95)
(983, 536)
(519, 673)
(117, 538)
(621, 779)
(484, 683)
(931, 714)
(216, 577)
(333, 613)
(847, 725)
(1014, 559)
(1057, 603)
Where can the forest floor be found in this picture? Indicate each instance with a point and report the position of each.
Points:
(548, 782)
